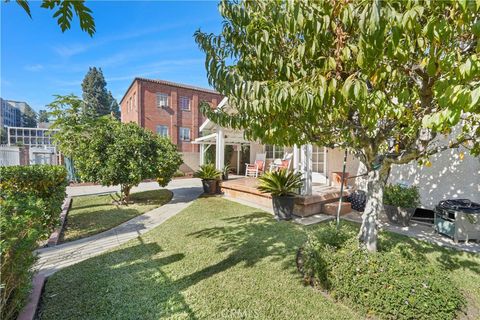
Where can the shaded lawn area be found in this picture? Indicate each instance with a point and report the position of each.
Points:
(215, 260)
(93, 214)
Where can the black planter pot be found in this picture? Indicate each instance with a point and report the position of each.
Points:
(283, 207)
(399, 216)
(224, 176)
(209, 186)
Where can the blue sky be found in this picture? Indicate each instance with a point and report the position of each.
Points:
(152, 39)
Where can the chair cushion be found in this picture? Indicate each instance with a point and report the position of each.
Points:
(259, 164)
(285, 163)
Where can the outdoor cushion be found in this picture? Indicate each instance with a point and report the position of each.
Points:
(259, 164)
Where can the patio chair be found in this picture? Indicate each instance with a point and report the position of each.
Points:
(282, 164)
(256, 168)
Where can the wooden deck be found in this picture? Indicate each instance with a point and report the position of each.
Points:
(245, 188)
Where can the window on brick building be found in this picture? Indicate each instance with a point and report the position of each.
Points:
(162, 131)
(135, 101)
(162, 100)
(184, 134)
(184, 103)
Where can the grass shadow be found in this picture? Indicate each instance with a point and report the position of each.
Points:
(124, 279)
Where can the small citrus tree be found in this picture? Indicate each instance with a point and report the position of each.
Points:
(383, 79)
(110, 152)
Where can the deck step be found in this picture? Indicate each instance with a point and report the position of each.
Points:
(332, 208)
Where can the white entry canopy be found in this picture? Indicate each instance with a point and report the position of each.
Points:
(213, 134)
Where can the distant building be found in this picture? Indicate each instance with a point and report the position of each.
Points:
(16, 114)
(32, 137)
(167, 108)
(9, 114)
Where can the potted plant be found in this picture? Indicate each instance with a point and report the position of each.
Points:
(400, 203)
(225, 172)
(209, 176)
(282, 185)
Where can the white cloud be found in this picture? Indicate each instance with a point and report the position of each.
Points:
(33, 67)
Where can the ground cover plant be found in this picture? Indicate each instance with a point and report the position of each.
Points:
(398, 283)
(215, 260)
(93, 214)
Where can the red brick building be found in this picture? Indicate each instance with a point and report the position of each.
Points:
(168, 108)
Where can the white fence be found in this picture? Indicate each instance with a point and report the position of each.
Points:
(9, 156)
(12, 156)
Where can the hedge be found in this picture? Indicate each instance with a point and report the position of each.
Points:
(394, 284)
(31, 200)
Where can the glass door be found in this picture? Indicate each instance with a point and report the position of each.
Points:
(319, 165)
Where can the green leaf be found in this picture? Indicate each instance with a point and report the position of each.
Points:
(25, 6)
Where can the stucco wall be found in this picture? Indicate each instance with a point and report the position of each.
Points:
(447, 178)
(335, 164)
(191, 161)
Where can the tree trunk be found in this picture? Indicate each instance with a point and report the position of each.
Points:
(125, 192)
(375, 184)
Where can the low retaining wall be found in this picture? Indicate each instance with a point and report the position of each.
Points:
(55, 236)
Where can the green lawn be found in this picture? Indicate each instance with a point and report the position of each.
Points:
(90, 215)
(215, 260)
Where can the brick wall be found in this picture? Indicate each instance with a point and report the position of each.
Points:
(149, 115)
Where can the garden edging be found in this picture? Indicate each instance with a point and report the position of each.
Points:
(55, 236)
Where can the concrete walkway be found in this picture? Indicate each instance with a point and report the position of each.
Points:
(55, 258)
(419, 231)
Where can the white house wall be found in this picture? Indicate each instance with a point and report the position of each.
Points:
(447, 178)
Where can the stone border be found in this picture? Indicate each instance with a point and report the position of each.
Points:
(30, 310)
(55, 236)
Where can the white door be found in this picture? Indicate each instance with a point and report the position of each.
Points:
(319, 165)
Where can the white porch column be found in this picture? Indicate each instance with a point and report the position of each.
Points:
(202, 154)
(220, 150)
(306, 169)
(239, 149)
(296, 158)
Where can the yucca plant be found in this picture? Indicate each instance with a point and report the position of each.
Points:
(207, 172)
(280, 183)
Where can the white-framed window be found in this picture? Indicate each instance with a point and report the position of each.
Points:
(184, 134)
(162, 131)
(162, 100)
(274, 152)
(184, 103)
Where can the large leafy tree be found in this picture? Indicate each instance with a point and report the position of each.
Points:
(384, 79)
(98, 101)
(43, 116)
(110, 152)
(64, 11)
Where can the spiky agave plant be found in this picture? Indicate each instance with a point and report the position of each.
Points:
(207, 172)
(280, 183)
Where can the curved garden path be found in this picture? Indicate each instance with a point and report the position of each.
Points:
(52, 259)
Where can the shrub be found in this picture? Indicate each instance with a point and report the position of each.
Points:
(389, 285)
(30, 203)
(400, 196)
(110, 152)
